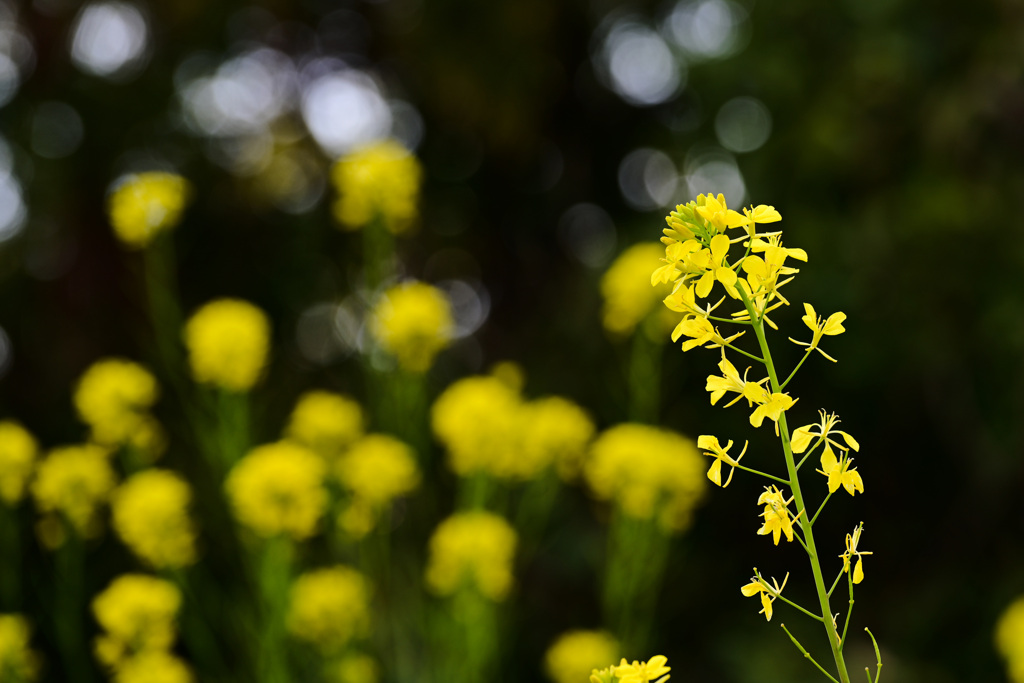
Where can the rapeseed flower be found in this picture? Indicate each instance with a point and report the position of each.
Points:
(325, 422)
(329, 608)
(150, 514)
(1009, 639)
(278, 489)
(555, 431)
(627, 298)
(771, 405)
(18, 451)
(18, 663)
(647, 472)
(839, 473)
(153, 666)
(731, 381)
(701, 333)
(831, 327)
(802, 435)
(720, 454)
(228, 341)
(777, 518)
(114, 397)
(413, 322)
(768, 593)
(852, 541)
(145, 204)
(575, 654)
(653, 669)
(379, 468)
(477, 421)
(74, 481)
(474, 548)
(138, 614)
(380, 180)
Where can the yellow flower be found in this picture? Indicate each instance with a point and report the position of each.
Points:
(852, 541)
(475, 548)
(702, 332)
(477, 421)
(605, 675)
(113, 397)
(18, 450)
(839, 473)
(653, 669)
(647, 472)
(777, 519)
(730, 381)
(720, 454)
(1009, 638)
(768, 593)
(329, 608)
(831, 327)
(554, 431)
(356, 669)
(278, 489)
(379, 468)
(228, 341)
(137, 613)
(572, 657)
(627, 298)
(74, 480)
(18, 663)
(413, 322)
(153, 666)
(802, 435)
(325, 422)
(771, 406)
(145, 204)
(150, 514)
(381, 180)
(357, 519)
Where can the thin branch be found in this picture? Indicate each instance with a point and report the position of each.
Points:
(763, 474)
(849, 613)
(783, 385)
(878, 656)
(808, 654)
(728, 320)
(836, 582)
(789, 602)
(821, 507)
(809, 451)
(748, 355)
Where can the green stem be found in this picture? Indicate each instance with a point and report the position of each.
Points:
(792, 374)
(812, 615)
(835, 583)
(809, 451)
(275, 571)
(820, 508)
(878, 657)
(70, 607)
(763, 474)
(10, 545)
(748, 355)
(728, 320)
(644, 377)
(808, 654)
(849, 612)
(805, 523)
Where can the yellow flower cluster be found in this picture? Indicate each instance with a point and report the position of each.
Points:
(18, 450)
(138, 615)
(1009, 636)
(379, 468)
(329, 608)
(653, 669)
(413, 322)
(145, 204)
(575, 654)
(325, 422)
(627, 298)
(228, 341)
(474, 548)
(113, 397)
(647, 472)
(487, 427)
(157, 666)
(381, 180)
(278, 489)
(18, 663)
(150, 514)
(74, 481)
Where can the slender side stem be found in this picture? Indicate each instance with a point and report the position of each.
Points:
(835, 583)
(812, 615)
(793, 374)
(748, 355)
(820, 508)
(849, 612)
(878, 657)
(644, 377)
(728, 320)
(805, 522)
(763, 474)
(808, 654)
(809, 451)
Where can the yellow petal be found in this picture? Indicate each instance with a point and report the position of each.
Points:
(765, 214)
(719, 248)
(704, 285)
(834, 324)
(858, 571)
(853, 482)
(707, 441)
(767, 605)
(801, 438)
(735, 220)
(755, 265)
(727, 276)
(715, 472)
(798, 254)
(850, 441)
(810, 317)
(834, 480)
(752, 589)
(678, 331)
(828, 460)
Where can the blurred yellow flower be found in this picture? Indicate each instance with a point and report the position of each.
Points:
(555, 431)
(154, 666)
(18, 451)
(477, 421)
(628, 298)
(329, 608)
(18, 663)
(356, 669)
(150, 514)
(228, 341)
(413, 322)
(138, 614)
(113, 397)
(381, 180)
(572, 657)
(143, 205)
(74, 480)
(1009, 637)
(325, 422)
(647, 472)
(653, 669)
(278, 489)
(475, 548)
(379, 468)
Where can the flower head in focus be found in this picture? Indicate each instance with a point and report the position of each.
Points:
(653, 669)
(413, 322)
(114, 397)
(472, 548)
(839, 473)
(228, 341)
(777, 518)
(802, 436)
(831, 327)
(18, 663)
(145, 204)
(18, 451)
(278, 489)
(329, 608)
(768, 593)
(379, 181)
(74, 481)
(572, 657)
(150, 514)
(138, 614)
(325, 422)
(711, 447)
(852, 551)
